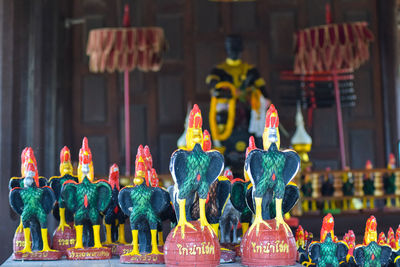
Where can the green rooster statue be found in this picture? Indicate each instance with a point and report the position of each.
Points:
(270, 170)
(87, 199)
(33, 203)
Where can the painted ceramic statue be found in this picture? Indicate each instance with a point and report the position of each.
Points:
(193, 171)
(64, 237)
(370, 253)
(328, 251)
(87, 199)
(143, 204)
(269, 170)
(114, 218)
(238, 104)
(33, 203)
(27, 156)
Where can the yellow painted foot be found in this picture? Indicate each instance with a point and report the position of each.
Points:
(27, 237)
(79, 231)
(121, 234)
(279, 222)
(154, 247)
(132, 253)
(20, 228)
(46, 246)
(96, 235)
(108, 235)
(182, 224)
(256, 224)
(203, 218)
(25, 250)
(61, 227)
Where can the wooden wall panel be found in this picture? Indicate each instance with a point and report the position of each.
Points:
(244, 17)
(94, 99)
(170, 98)
(282, 40)
(173, 26)
(207, 55)
(167, 146)
(361, 148)
(208, 23)
(99, 147)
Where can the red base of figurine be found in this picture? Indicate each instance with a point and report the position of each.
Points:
(227, 255)
(38, 256)
(103, 253)
(122, 249)
(145, 258)
(64, 240)
(18, 241)
(113, 247)
(197, 248)
(292, 222)
(270, 247)
(238, 251)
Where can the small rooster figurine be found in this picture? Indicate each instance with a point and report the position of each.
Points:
(27, 157)
(142, 203)
(301, 245)
(230, 217)
(327, 250)
(86, 198)
(238, 194)
(270, 170)
(218, 195)
(394, 244)
(193, 171)
(114, 218)
(56, 182)
(370, 253)
(350, 240)
(33, 203)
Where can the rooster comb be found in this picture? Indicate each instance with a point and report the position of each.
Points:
(272, 119)
(195, 119)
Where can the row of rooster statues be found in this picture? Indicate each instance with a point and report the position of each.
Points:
(204, 204)
(330, 251)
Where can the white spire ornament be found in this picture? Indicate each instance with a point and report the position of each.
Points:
(301, 140)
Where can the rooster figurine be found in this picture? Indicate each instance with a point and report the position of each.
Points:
(350, 240)
(114, 218)
(193, 171)
(327, 251)
(87, 199)
(270, 170)
(142, 203)
(27, 157)
(56, 182)
(33, 203)
(370, 253)
(230, 217)
(238, 194)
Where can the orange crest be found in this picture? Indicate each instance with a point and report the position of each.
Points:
(299, 233)
(382, 239)
(65, 155)
(85, 154)
(29, 158)
(272, 119)
(327, 227)
(252, 145)
(368, 165)
(370, 230)
(195, 119)
(390, 233)
(154, 178)
(148, 158)
(206, 141)
(140, 165)
(113, 177)
(398, 234)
